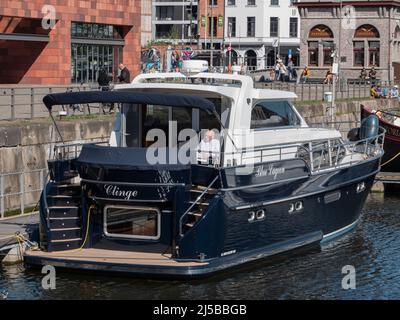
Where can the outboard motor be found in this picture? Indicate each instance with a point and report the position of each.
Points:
(369, 127)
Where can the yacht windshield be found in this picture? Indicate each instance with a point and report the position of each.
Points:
(140, 121)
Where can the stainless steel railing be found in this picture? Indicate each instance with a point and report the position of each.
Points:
(320, 155)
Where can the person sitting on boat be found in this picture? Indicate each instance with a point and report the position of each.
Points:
(209, 148)
(377, 113)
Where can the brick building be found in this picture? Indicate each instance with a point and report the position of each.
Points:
(367, 35)
(88, 35)
(211, 15)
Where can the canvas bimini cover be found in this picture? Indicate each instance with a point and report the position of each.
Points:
(152, 98)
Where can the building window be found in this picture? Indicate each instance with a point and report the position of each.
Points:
(293, 27)
(213, 3)
(374, 52)
(313, 53)
(328, 59)
(231, 2)
(132, 222)
(94, 31)
(274, 27)
(251, 26)
(251, 2)
(231, 26)
(366, 35)
(359, 53)
(88, 59)
(213, 25)
(274, 2)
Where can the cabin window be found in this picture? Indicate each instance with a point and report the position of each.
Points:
(154, 117)
(132, 222)
(270, 114)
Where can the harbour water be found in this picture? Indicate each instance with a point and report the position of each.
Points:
(373, 249)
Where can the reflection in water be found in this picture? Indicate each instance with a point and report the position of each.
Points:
(373, 249)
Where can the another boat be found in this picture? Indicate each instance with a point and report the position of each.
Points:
(390, 121)
(163, 200)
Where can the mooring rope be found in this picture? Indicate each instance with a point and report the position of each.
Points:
(390, 160)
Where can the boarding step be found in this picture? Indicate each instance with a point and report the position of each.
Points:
(63, 200)
(62, 245)
(64, 223)
(201, 189)
(63, 212)
(66, 189)
(65, 234)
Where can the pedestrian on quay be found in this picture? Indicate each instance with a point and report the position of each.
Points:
(363, 75)
(305, 75)
(125, 75)
(104, 80)
(329, 77)
(372, 73)
(282, 72)
(277, 70)
(290, 68)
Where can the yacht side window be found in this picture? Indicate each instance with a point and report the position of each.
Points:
(271, 114)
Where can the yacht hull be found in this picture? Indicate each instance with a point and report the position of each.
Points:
(331, 205)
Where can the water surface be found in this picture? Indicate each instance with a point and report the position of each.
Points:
(373, 249)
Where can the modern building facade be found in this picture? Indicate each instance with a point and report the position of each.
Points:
(146, 22)
(364, 34)
(260, 30)
(175, 20)
(83, 37)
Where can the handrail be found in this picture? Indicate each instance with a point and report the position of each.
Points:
(64, 156)
(315, 150)
(193, 204)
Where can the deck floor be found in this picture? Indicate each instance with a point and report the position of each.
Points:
(114, 257)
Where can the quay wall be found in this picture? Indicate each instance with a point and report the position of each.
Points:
(26, 146)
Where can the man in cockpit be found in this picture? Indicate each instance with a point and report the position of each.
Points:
(208, 151)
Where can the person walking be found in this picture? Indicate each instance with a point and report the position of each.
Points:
(125, 75)
(290, 68)
(104, 80)
(277, 70)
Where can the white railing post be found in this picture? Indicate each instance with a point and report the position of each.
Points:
(22, 191)
(2, 196)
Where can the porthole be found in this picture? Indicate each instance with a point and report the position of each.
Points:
(360, 187)
(298, 205)
(260, 214)
(291, 208)
(252, 216)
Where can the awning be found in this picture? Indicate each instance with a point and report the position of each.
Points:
(153, 98)
(24, 37)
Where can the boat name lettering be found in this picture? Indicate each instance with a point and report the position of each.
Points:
(115, 191)
(269, 170)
